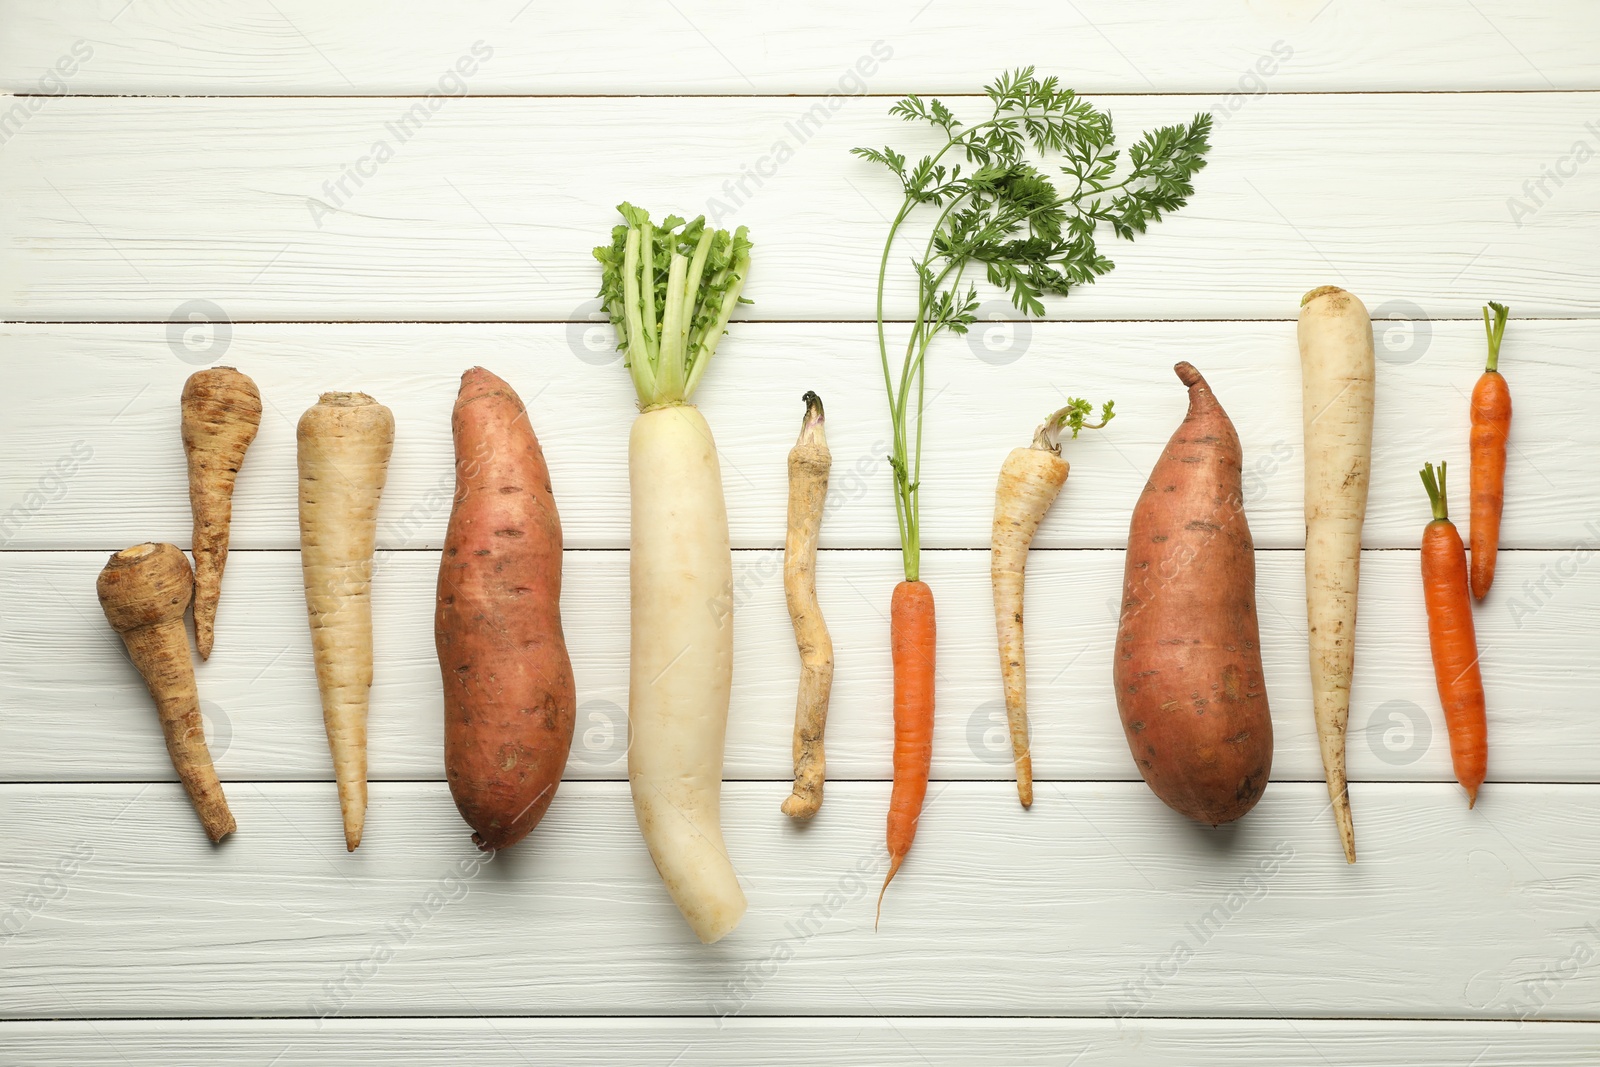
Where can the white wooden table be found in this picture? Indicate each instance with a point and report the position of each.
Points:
(183, 190)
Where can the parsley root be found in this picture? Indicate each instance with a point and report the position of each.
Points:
(144, 591)
(1030, 480)
(221, 413)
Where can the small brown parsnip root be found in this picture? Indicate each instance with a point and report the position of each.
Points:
(221, 413)
(809, 462)
(145, 591)
(1030, 480)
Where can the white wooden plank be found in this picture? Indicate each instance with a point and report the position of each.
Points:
(92, 459)
(73, 709)
(1078, 907)
(488, 208)
(298, 46)
(897, 1042)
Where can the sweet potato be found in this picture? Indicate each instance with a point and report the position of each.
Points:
(509, 699)
(1188, 652)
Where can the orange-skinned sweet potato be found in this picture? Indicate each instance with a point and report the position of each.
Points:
(1188, 652)
(509, 700)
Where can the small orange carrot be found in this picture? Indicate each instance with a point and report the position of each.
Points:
(912, 644)
(1453, 640)
(1491, 426)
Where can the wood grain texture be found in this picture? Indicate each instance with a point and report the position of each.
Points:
(73, 708)
(813, 1042)
(1098, 901)
(91, 456)
(719, 46)
(487, 208)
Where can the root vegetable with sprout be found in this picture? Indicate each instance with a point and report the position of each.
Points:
(1030, 480)
(670, 291)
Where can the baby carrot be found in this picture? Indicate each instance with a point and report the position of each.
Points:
(1453, 640)
(1491, 426)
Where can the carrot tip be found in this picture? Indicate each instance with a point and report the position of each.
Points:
(1472, 798)
(894, 866)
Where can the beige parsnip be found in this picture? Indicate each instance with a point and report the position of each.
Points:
(1338, 386)
(144, 591)
(221, 411)
(344, 444)
(809, 463)
(1030, 480)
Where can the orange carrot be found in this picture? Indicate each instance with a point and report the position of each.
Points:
(1452, 639)
(912, 644)
(1491, 426)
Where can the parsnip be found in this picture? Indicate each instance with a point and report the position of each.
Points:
(221, 411)
(1030, 480)
(344, 444)
(1337, 385)
(144, 591)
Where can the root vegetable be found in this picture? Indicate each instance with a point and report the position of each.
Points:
(1453, 639)
(145, 591)
(509, 700)
(1188, 653)
(1337, 387)
(1491, 429)
(680, 567)
(913, 643)
(344, 444)
(809, 461)
(221, 411)
(1030, 480)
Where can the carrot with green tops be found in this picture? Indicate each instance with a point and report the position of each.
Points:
(1453, 640)
(1491, 427)
(912, 641)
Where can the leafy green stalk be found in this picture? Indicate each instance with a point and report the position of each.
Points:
(1006, 214)
(1496, 329)
(1437, 499)
(1072, 417)
(670, 290)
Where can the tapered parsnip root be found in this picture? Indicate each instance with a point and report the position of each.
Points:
(809, 463)
(1030, 480)
(344, 445)
(1338, 385)
(145, 591)
(221, 413)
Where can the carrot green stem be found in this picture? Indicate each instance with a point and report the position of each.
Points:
(1436, 492)
(1495, 329)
